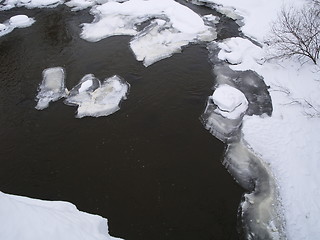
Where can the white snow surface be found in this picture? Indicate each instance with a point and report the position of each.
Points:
(231, 102)
(174, 27)
(32, 219)
(18, 21)
(289, 140)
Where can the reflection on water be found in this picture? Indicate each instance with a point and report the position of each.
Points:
(151, 168)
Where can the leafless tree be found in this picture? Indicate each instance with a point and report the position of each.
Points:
(316, 2)
(297, 32)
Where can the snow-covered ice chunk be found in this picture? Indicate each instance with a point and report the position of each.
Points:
(95, 99)
(210, 20)
(171, 27)
(18, 21)
(241, 53)
(224, 112)
(21, 21)
(32, 219)
(230, 101)
(52, 87)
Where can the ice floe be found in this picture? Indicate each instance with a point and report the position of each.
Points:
(171, 27)
(32, 219)
(18, 21)
(95, 99)
(52, 87)
(92, 97)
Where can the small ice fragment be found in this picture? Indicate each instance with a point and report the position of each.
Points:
(95, 99)
(21, 21)
(52, 87)
(230, 101)
(83, 90)
(210, 19)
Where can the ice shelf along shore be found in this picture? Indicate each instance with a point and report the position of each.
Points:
(18, 21)
(238, 94)
(170, 26)
(25, 218)
(93, 98)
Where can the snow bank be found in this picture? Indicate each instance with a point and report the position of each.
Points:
(230, 101)
(18, 21)
(172, 27)
(52, 87)
(95, 99)
(31, 219)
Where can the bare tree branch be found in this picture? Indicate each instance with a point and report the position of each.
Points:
(297, 33)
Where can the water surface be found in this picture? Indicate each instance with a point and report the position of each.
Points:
(151, 168)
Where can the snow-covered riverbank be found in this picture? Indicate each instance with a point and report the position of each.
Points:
(288, 141)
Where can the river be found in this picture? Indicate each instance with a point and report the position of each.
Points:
(151, 168)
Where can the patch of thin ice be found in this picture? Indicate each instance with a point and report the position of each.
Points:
(174, 27)
(95, 99)
(18, 21)
(52, 87)
(32, 219)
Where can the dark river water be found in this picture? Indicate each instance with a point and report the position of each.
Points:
(151, 168)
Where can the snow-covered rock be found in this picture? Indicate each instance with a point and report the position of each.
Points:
(231, 102)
